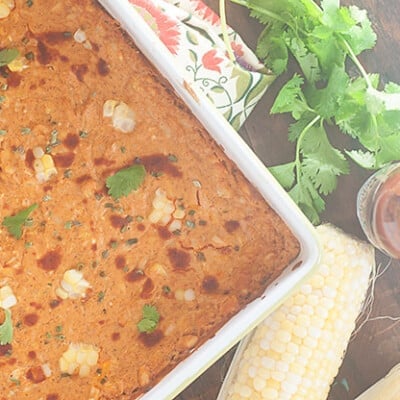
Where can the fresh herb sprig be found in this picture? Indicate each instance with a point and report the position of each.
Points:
(322, 39)
(150, 318)
(125, 181)
(6, 328)
(7, 56)
(15, 223)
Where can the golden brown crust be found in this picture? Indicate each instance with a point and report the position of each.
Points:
(229, 247)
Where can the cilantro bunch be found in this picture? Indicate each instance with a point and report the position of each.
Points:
(322, 39)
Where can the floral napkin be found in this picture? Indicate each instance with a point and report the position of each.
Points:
(192, 33)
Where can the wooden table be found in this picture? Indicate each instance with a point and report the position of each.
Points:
(376, 347)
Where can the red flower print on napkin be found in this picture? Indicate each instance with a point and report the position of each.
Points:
(211, 61)
(165, 27)
(206, 13)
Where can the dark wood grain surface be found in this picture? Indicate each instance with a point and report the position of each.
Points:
(376, 346)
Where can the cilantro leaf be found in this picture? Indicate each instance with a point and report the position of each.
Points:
(361, 36)
(150, 318)
(273, 50)
(363, 158)
(290, 98)
(6, 328)
(285, 174)
(327, 100)
(7, 56)
(15, 223)
(125, 181)
(307, 60)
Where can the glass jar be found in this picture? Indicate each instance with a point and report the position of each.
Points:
(378, 209)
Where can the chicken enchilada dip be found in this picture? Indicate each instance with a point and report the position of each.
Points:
(128, 238)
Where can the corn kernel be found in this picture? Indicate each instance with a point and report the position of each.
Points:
(73, 285)
(4, 11)
(123, 117)
(43, 165)
(17, 65)
(9, 3)
(79, 358)
(7, 298)
(163, 209)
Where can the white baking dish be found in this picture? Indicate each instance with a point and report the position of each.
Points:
(258, 175)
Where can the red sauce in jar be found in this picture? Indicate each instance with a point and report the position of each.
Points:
(387, 215)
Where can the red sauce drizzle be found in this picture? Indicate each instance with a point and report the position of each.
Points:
(151, 339)
(115, 336)
(64, 160)
(179, 258)
(29, 158)
(134, 275)
(157, 163)
(231, 226)
(210, 283)
(14, 79)
(32, 355)
(35, 305)
(54, 37)
(31, 319)
(50, 261)
(141, 227)
(71, 141)
(120, 262)
(103, 67)
(164, 233)
(103, 161)
(52, 396)
(44, 57)
(83, 178)
(79, 71)
(5, 349)
(35, 374)
(118, 221)
(147, 289)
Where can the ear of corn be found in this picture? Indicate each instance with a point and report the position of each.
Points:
(387, 388)
(296, 352)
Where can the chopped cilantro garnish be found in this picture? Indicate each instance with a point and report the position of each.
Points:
(150, 318)
(125, 181)
(6, 329)
(15, 222)
(7, 56)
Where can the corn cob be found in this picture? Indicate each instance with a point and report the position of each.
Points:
(296, 352)
(387, 388)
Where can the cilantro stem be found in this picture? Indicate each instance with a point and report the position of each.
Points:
(357, 63)
(299, 144)
(224, 28)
